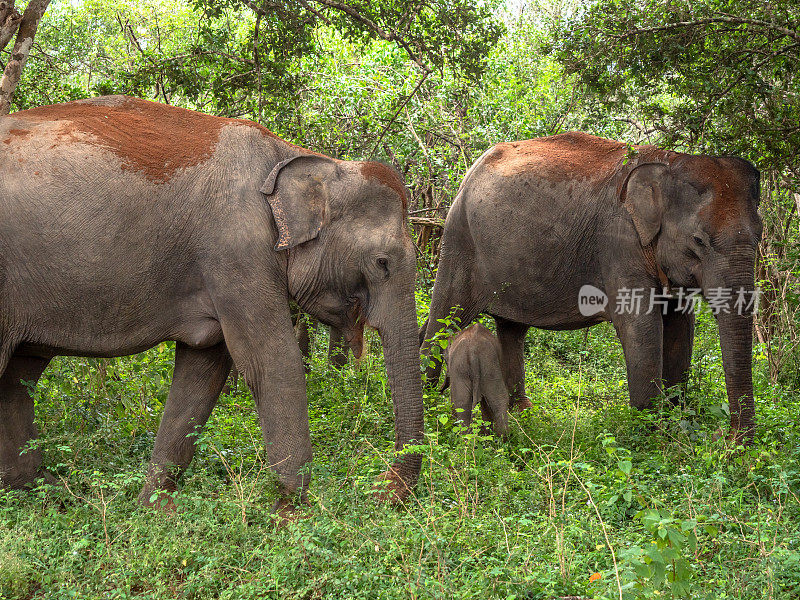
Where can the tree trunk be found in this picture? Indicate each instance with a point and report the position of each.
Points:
(22, 48)
(9, 22)
(797, 203)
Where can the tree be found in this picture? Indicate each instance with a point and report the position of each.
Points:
(431, 32)
(25, 27)
(716, 75)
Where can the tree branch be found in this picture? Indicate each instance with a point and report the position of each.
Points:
(22, 48)
(718, 96)
(401, 107)
(720, 19)
(373, 26)
(354, 14)
(9, 22)
(261, 10)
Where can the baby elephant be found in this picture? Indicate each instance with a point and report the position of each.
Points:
(473, 367)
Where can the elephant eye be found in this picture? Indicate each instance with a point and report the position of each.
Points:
(383, 264)
(699, 241)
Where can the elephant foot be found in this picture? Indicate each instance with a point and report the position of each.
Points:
(30, 482)
(391, 488)
(500, 431)
(735, 436)
(160, 500)
(520, 404)
(288, 510)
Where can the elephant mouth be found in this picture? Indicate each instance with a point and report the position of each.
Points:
(353, 333)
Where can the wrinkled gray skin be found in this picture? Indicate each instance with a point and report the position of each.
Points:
(303, 326)
(98, 259)
(473, 367)
(536, 220)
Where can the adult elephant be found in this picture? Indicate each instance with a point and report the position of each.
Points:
(126, 223)
(304, 327)
(535, 221)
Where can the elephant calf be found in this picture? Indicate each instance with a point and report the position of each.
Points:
(473, 366)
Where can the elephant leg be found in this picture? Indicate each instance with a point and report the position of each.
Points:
(196, 384)
(642, 342)
(677, 350)
(337, 349)
(232, 381)
(262, 343)
(303, 324)
(303, 338)
(512, 360)
(494, 404)
(422, 329)
(19, 467)
(461, 395)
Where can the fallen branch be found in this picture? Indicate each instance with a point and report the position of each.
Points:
(427, 221)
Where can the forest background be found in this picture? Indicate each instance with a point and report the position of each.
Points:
(586, 498)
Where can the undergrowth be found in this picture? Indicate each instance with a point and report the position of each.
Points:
(586, 497)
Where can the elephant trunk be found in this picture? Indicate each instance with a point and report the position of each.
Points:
(736, 341)
(399, 336)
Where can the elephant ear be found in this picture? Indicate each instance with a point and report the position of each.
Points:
(642, 194)
(298, 190)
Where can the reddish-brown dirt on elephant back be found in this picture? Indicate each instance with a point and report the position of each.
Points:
(19, 134)
(387, 176)
(561, 157)
(730, 187)
(154, 139)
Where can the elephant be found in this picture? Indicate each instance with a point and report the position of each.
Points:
(473, 368)
(127, 223)
(337, 349)
(558, 232)
(303, 326)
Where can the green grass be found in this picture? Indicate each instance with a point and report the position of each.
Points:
(583, 486)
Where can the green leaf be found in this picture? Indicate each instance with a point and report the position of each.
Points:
(676, 537)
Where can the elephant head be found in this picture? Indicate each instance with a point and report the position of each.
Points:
(699, 214)
(351, 264)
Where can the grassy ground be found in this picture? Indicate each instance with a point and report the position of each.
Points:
(586, 498)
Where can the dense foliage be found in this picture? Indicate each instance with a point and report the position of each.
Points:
(587, 498)
(721, 76)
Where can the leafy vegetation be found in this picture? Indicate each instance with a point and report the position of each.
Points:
(584, 487)
(586, 498)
